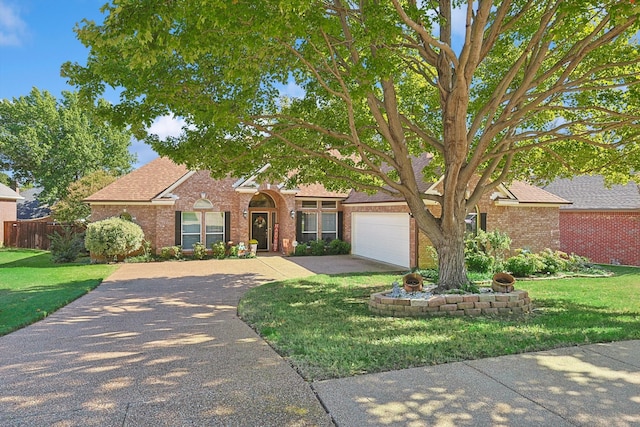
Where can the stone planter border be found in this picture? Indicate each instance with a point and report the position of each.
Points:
(488, 304)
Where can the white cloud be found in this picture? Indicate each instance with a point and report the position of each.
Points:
(167, 126)
(13, 29)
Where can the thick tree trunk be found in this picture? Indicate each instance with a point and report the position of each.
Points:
(451, 263)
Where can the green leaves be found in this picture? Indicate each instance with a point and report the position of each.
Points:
(53, 143)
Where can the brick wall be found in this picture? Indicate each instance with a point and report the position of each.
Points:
(158, 221)
(603, 237)
(533, 228)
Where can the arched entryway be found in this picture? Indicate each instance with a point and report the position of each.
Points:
(262, 216)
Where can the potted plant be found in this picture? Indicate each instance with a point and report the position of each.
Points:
(253, 245)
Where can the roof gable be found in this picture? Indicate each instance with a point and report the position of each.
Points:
(7, 193)
(143, 184)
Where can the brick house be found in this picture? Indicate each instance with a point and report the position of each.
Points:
(603, 223)
(175, 206)
(8, 207)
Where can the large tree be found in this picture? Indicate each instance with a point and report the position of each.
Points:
(51, 143)
(347, 92)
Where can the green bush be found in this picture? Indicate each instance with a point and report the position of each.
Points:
(339, 247)
(553, 262)
(233, 251)
(317, 247)
(301, 250)
(65, 246)
(113, 237)
(479, 262)
(145, 256)
(524, 264)
(171, 252)
(218, 250)
(199, 251)
(484, 252)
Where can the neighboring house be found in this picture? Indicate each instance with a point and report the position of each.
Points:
(8, 209)
(603, 223)
(175, 206)
(30, 208)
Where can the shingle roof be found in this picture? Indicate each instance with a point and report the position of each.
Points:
(590, 193)
(30, 207)
(143, 184)
(419, 163)
(523, 192)
(318, 190)
(527, 193)
(7, 193)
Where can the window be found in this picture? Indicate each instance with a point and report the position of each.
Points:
(329, 226)
(329, 204)
(309, 226)
(309, 204)
(213, 227)
(190, 229)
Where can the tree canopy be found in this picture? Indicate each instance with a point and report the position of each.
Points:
(346, 92)
(72, 208)
(52, 143)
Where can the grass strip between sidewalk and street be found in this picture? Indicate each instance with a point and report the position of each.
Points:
(32, 286)
(323, 326)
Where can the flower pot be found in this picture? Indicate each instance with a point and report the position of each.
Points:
(412, 282)
(503, 282)
(254, 248)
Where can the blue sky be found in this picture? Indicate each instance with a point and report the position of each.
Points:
(36, 38)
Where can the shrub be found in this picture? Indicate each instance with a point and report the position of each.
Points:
(145, 256)
(484, 252)
(218, 250)
(300, 250)
(199, 251)
(113, 237)
(479, 262)
(524, 264)
(577, 263)
(317, 247)
(65, 246)
(171, 252)
(233, 251)
(553, 262)
(339, 247)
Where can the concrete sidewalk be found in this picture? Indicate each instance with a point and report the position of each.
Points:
(592, 385)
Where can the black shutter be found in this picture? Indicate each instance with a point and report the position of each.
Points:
(483, 221)
(227, 226)
(178, 229)
(340, 224)
(299, 226)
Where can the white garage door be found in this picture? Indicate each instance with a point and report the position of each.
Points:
(381, 236)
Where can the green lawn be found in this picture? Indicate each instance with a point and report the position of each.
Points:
(32, 287)
(322, 324)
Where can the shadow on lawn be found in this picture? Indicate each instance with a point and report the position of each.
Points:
(41, 260)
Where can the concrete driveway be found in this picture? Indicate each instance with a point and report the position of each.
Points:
(160, 345)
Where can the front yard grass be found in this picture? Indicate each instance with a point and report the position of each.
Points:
(323, 325)
(32, 286)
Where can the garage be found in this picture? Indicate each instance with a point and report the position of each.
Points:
(381, 236)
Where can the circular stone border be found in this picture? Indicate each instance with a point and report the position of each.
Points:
(495, 303)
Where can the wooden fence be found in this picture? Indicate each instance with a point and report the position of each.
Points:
(32, 234)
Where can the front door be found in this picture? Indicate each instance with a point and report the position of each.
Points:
(260, 229)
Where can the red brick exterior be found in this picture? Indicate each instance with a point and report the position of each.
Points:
(602, 236)
(158, 221)
(532, 228)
